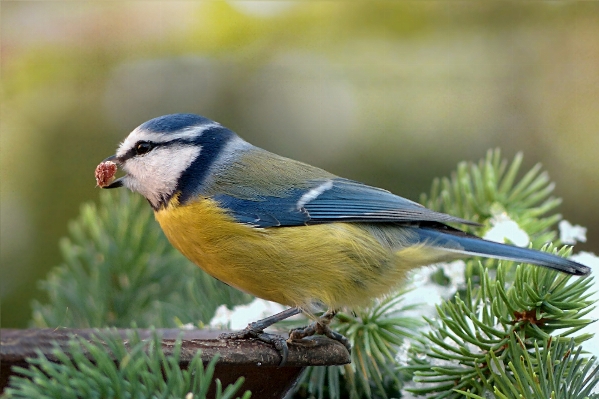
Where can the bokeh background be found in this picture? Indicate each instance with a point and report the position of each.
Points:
(392, 93)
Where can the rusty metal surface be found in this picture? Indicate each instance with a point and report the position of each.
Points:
(256, 361)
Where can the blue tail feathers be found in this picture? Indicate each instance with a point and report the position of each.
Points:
(459, 242)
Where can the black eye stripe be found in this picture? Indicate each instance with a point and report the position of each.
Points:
(133, 152)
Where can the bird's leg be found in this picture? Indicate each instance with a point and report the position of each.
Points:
(256, 330)
(320, 326)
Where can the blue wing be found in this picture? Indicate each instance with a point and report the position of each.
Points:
(327, 201)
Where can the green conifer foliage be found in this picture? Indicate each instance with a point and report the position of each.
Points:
(511, 332)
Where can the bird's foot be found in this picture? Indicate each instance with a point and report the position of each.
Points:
(253, 331)
(256, 330)
(321, 326)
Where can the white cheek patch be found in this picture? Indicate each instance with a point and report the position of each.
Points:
(155, 174)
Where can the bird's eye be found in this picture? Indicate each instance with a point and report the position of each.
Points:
(143, 147)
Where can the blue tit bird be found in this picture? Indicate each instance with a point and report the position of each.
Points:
(286, 231)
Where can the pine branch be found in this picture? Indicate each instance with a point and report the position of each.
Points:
(538, 304)
(555, 370)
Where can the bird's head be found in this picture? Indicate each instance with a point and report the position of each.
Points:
(168, 154)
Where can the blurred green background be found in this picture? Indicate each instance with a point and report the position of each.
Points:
(391, 93)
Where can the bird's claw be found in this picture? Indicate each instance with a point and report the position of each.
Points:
(319, 328)
(251, 331)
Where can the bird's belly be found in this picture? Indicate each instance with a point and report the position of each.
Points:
(337, 264)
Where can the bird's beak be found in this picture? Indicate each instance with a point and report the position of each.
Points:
(118, 182)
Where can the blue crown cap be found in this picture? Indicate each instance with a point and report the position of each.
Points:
(174, 122)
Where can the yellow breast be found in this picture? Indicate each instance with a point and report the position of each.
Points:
(338, 264)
